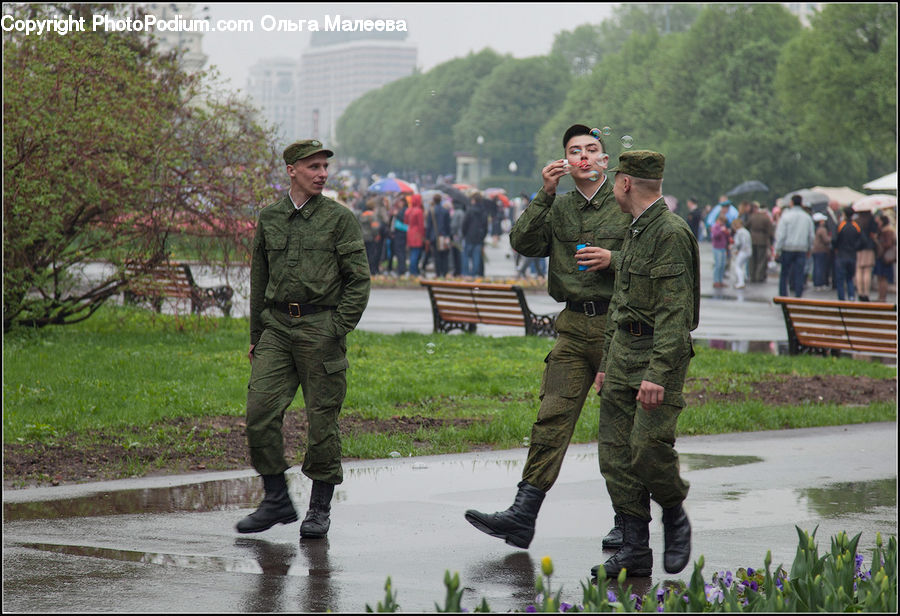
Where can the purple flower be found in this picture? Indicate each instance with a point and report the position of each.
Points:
(779, 583)
(729, 579)
(754, 585)
(660, 594)
(750, 571)
(611, 596)
(565, 607)
(531, 609)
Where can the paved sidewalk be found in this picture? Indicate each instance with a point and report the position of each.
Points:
(167, 544)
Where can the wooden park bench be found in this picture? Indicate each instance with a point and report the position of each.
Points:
(462, 305)
(173, 280)
(823, 326)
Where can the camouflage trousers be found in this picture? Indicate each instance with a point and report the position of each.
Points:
(568, 375)
(637, 447)
(291, 353)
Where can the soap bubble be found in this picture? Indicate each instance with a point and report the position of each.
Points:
(607, 130)
(627, 141)
(595, 133)
(434, 92)
(594, 176)
(429, 348)
(394, 454)
(418, 122)
(526, 442)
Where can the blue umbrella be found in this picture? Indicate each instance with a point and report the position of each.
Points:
(730, 214)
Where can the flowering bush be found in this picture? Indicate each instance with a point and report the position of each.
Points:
(835, 582)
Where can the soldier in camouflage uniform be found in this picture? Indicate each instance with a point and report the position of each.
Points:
(555, 226)
(309, 285)
(655, 306)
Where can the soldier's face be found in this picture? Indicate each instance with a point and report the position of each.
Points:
(585, 155)
(310, 174)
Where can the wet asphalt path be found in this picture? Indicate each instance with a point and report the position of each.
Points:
(167, 544)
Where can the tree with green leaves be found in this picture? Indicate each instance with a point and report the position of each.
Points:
(109, 150)
(409, 123)
(837, 83)
(508, 108)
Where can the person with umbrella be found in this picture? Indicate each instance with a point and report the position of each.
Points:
(887, 256)
(865, 255)
(725, 205)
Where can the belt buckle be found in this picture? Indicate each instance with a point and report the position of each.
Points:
(593, 309)
(291, 307)
(631, 328)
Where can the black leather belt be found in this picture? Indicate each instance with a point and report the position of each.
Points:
(636, 328)
(297, 310)
(591, 308)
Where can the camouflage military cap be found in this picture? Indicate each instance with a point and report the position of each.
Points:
(641, 164)
(304, 149)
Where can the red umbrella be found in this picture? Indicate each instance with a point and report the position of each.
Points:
(497, 193)
(391, 185)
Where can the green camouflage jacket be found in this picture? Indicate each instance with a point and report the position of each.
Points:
(554, 225)
(312, 256)
(658, 284)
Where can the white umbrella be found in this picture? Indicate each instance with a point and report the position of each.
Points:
(887, 182)
(875, 202)
(844, 195)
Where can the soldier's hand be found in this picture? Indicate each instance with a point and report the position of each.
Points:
(598, 381)
(551, 175)
(594, 258)
(250, 353)
(650, 395)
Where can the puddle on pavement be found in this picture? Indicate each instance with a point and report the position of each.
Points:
(702, 461)
(839, 499)
(204, 563)
(195, 498)
(231, 494)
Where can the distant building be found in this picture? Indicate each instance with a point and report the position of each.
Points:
(274, 86)
(188, 38)
(339, 67)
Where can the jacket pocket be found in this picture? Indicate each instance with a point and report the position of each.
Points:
(318, 260)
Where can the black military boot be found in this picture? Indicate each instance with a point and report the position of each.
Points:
(677, 531)
(276, 507)
(635, 554)
(613, 539)
(317, 521)
(516, 524)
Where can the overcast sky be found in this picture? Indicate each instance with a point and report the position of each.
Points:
(440, 31)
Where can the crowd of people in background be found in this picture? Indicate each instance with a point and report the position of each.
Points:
(840, 250)
(852, 254)
(405, 235)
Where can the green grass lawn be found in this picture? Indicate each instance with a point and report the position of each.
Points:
(127, 367)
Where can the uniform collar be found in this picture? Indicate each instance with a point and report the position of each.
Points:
(596, 199)
(309, 207)
(649, 215)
